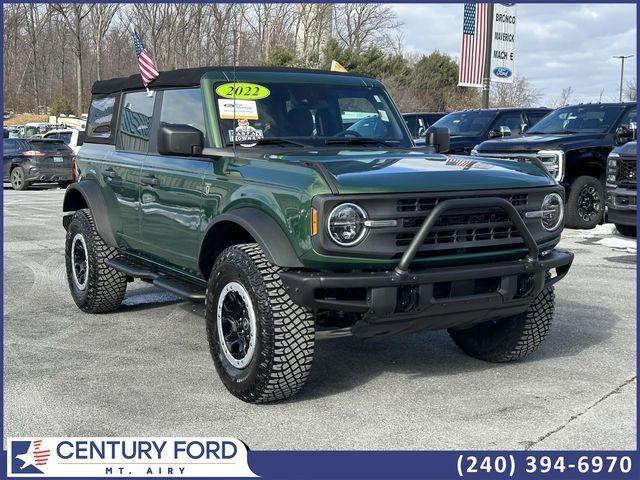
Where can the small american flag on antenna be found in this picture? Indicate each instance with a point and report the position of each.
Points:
(474, 45)
(148, 69)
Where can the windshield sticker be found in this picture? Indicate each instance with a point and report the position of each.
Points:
(232, 109)
(383, 115)
(244, 132)
(243, 91)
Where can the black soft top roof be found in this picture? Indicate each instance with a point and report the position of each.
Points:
(189, 77)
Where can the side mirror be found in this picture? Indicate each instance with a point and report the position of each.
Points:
(625, 134)
(633, 126)
(420, 131)
(182, 140)
(523, 127)
(438, 138)
(502, 131)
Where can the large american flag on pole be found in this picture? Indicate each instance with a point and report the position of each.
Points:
(148, 69)
(474, 45)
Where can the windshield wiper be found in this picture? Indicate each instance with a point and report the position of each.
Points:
(275, 141)
(361, 141)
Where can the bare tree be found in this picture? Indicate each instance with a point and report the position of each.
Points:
(520, 93)
(100, 19)
(75, 14)
(631, 90)
(361, 24)
(563, 99)
(312, 27)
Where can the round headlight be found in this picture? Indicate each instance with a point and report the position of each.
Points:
(552, 211)
(346, 224)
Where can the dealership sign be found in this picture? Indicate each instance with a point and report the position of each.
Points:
(127, 457)
(503, 42)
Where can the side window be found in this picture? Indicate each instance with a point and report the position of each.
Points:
(8, 146)
(183, 107)
(100, 118)
(535, 117)
(513, 120)
(135, 122)
(412, 123)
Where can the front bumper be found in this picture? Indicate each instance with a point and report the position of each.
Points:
(403, 300)
(621, 205)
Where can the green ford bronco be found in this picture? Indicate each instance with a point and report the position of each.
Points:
(294, 202)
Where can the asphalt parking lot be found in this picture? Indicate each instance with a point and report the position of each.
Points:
(146, 369)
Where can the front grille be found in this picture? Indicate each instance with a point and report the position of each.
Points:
(460, 230)
(626, 174)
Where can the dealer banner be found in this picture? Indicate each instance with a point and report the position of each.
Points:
(503, 44)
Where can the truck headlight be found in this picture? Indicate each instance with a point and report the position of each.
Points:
(612, 168)
(553, 160)
(346, 224)
(552, 211)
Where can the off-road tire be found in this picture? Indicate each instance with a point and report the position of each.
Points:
(511, 338)
(285, 331)
(105, 287)
(17, 177)
(626, 230)
(572, 217)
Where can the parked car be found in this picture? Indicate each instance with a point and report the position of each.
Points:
(418, 123)
(573, 143)
(34, 129)
(470, 127)
(70, 136)
(285, 218)
(622, 188)
(28, 161)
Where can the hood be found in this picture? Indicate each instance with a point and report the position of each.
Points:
(375, 171)
(535, 142)
(629, 149)
(464, 142)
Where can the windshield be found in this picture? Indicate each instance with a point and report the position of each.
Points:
(470, 123)
(579, 119)
(307, 115)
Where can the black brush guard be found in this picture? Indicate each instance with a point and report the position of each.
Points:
(405, 300)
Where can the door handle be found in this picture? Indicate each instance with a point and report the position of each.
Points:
(149, 180)
(110, 173)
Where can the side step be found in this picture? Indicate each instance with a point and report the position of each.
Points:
(178, 286)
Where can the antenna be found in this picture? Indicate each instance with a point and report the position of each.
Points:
(235, 78)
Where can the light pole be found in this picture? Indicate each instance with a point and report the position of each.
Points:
(623, 58)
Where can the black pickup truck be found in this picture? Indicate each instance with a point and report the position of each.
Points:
(573, 143)
(470, 127)
(622, 188)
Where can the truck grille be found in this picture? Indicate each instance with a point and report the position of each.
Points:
(474, 229)
(626, 172)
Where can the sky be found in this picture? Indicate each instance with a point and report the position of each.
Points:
(557, 45)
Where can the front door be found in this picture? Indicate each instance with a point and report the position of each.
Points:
(171, 190)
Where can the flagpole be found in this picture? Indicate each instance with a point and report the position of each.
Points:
(486, 81)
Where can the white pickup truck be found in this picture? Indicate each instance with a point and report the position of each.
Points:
(72, 137)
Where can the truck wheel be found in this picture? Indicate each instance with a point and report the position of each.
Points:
(509, 338)
(626, 230)
(585, 204)
(94, 286)
(261, 342)
(17, 177)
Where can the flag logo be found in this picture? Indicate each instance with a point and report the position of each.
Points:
(148, 69)
(29, 456)
(474, 45)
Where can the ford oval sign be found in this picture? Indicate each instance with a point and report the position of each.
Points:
(502, 72)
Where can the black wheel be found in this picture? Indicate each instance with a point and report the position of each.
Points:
(17, 178)
(626, 230)
(94, 286)
(261, 342)
(509, 338)
(585, 204)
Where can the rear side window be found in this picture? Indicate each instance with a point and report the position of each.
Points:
(135, 122)
(8, 146)
(50, 146)
(101, 119)
(183, 107)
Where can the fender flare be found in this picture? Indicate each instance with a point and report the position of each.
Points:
(266, 232)
(87, 194)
